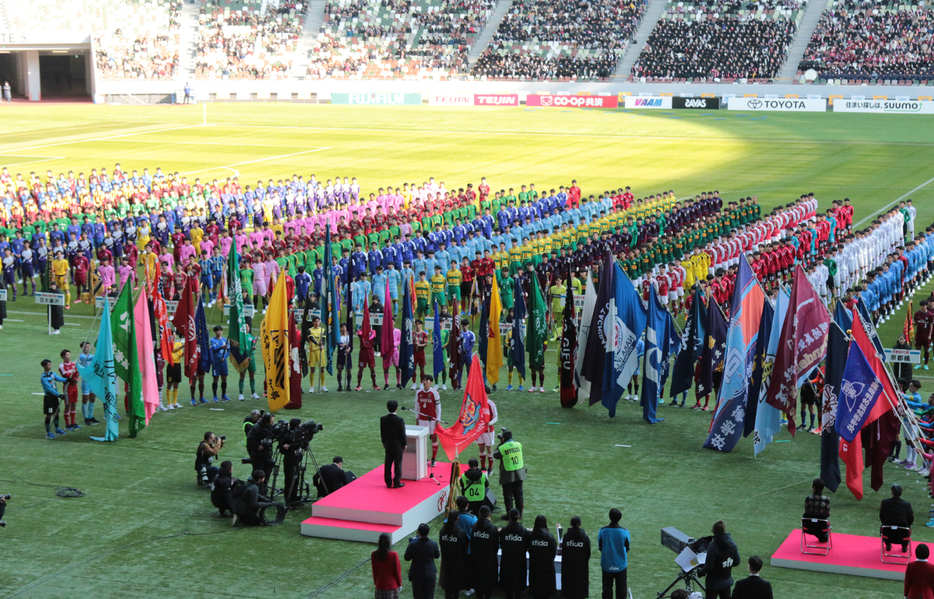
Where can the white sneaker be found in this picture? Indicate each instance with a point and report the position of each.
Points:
(255, 396)
(241, 397)
(413, 387)
(541, 389)
(162, 408)
(444, 387)
(311, 389)
(924, 472)
(171, 406)
(175, 405)
(324, 389)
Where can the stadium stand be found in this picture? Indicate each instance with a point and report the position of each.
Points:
(720, 40)
(239, 40)
(564, 39)
(874, 41)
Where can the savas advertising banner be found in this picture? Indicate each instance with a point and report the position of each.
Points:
(696, 103)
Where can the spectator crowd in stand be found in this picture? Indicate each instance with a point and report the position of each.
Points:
(719, 40)
(540, 39)
(862, 40)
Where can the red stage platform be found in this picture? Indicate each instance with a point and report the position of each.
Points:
(851, 554)
(365, 508)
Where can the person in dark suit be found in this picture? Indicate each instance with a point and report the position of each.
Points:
(753, 587)
(332, 477)
(422, 552)
(392, 433)
(919, 575)
(895, 511)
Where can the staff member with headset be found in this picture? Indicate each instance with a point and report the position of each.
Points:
(511, 471)
(474, 483)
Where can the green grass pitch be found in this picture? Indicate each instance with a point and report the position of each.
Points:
(145, 530)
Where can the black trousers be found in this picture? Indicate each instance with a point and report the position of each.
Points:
(393, 464)
(424, 588)
(291, 474)
(512, 492)
(724, 593)
(611, 578)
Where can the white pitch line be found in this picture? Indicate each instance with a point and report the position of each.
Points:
(895, 203)
(44, 159)
(208, 143)
(44, 315)
(105, 138)
(12, 320)
(230, 166)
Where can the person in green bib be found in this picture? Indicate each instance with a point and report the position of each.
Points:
(511, 471)
(474, 483)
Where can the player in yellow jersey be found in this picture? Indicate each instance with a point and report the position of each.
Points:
(60, 272)
(422, 294)
(438, 288)
(196, 233)
(454, 279)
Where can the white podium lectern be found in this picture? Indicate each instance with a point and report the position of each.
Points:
(415, 458)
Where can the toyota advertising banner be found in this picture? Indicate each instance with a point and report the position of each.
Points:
(885, 106)
(496, 99)
(650, 102)
(778, 104)
(572, 101)
(462, 99)
(696, 103)
(378, 99)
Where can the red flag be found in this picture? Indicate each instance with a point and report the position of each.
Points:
(802, 346)
(852, 456)
(162, 317)
(184, 321)
(889, 396)
(473, 419)
(909, 326)
(295, 365)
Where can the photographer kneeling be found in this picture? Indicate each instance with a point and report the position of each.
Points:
(247, 500)
(208, 449)
(221, 488)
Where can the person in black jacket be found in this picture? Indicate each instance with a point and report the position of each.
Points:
(575, 562)
(220, 490)
(542, 551)
(514, 543)
(454, 565)
(484, 544)
(753, 587)
(422, 552)
(248, 502)
(722, 555)
(895, 511)
(260, 444)
(332, 477)
(392, 434)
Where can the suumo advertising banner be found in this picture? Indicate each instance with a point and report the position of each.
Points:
(572, 101)
(650, 102)
(696, 103)
(778, 104)
(378, 99)
(496, 99)
(890, 106)
(450, 100)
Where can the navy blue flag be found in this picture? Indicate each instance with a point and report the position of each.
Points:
(758, 371)
(712, 355)
(437, 355)
(599, 352)
(692, 344)
(517, 339)
(859, 390)
(626, 330)
(834, 365)
(657, 335)
(330, 308)
(204, 338)
(407, 346)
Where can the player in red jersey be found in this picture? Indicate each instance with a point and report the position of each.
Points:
(486, 440)
(420, 342)
(924, 321)
(428, 411)
(69, 370)
(661, 284)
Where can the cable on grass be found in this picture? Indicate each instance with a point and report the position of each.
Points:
(338, 579)
(64, 492)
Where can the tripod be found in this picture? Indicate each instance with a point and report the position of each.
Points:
(688, 578)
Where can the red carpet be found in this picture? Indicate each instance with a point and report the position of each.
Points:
(366, 507)
(851, 554)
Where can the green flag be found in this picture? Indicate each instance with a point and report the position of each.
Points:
(236, 330)
(537, 326)
(126, 358)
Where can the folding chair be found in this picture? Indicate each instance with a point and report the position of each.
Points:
(895, 535)
(815, 527)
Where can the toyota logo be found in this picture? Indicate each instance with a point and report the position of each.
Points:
(546, 100)
(754, 104)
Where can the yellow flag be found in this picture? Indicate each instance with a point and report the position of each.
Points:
(494, 347)
(274, 333)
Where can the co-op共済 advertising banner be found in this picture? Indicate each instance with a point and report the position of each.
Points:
(496, 99)
(649, 102)
(778, 104)
(696, 103)
(546, 101)
(885, 106)
(378, 99)
(450, 100)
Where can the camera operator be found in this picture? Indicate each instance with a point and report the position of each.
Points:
(260, 444)
(220, 489)
(722, 555)
(511, 471)
(208, 449)
(332, 477)
(249, 500)
(249, 422)
(3, 500)
(292, 447)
